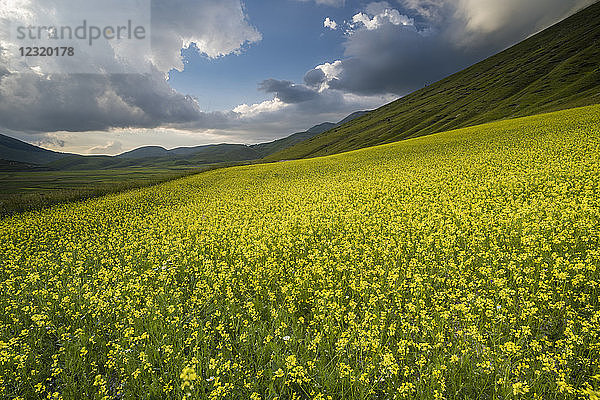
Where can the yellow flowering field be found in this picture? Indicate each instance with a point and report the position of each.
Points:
(463, 265)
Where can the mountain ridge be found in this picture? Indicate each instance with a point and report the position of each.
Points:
(18, 151)
(27, 156)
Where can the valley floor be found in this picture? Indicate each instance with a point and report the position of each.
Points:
(36, 189)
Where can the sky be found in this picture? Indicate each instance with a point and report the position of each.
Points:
(232, 71)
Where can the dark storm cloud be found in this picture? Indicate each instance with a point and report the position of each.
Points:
(396, 59)
(314, 77)
(384, 56)
(30, 102)
(287, 91)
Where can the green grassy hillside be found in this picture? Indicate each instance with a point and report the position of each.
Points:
(462, 265)
(265, 149)
(15, 150)
(556, 69)
(146, 152)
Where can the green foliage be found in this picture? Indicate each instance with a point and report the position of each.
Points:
(460, 265)
(553, 70)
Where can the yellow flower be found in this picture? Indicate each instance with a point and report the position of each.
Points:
(520, 388)
(188, 374)
(591, 393)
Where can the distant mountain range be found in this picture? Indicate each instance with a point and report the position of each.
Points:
(265, 149)
(18, 155)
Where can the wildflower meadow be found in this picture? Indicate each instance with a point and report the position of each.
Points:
(462, 265)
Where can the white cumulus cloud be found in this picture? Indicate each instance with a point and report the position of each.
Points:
(329, 23)
(379, 14)
(217, 27)
(475, 22)
(254, 110)
(112, 147)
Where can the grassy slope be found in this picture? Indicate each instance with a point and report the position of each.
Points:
(15, 150)
(264, 149)
(464, 263)
(555, 69)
